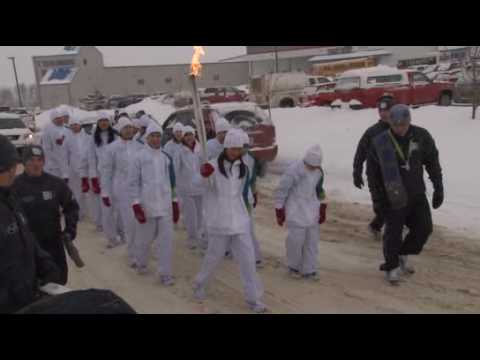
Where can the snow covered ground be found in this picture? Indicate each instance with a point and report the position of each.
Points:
(338, 132)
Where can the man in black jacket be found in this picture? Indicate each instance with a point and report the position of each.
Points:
(363, 147)
(395, 169)
(23, 264)
(45, 198)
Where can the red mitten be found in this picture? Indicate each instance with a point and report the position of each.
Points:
(280, 216)
(323, 213)
(85, 185)
(96, 186)
(176, 212)
(139, 213)
(106, 201)
(206, 170)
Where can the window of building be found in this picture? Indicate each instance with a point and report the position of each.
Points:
(141, 82)
(85, 62)
(168, 80)
(216, 77)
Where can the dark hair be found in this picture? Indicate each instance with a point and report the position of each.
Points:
(221, 166)
(98, 139)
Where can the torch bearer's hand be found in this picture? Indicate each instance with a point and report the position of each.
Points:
(206, 170)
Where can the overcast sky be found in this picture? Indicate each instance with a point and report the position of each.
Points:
(113, 56)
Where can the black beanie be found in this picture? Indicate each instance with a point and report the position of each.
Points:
(8, 154)
(31, 151)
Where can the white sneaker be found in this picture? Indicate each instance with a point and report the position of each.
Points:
(258, 307)
(167, 280)
(313, 277)
(112, 244)
(392, 277)
(406, 268)
(199, 293)
(142, 270)
(294, 274)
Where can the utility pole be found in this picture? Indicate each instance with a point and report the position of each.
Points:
(276, 58)
(20, 103)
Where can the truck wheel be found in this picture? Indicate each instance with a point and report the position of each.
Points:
(287, 103)
(445, 100)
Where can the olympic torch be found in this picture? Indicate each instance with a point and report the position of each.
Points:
(196, 69)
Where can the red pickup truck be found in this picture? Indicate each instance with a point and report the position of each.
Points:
(366, 87)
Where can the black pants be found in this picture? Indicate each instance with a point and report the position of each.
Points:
(418, 218)
(377, 222)
(54, 246)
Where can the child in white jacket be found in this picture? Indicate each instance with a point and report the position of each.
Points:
(299, 202)
(228, 220)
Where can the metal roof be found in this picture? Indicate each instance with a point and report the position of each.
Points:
(288, 54)
(358, 54)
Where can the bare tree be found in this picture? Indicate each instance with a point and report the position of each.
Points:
(474, 57)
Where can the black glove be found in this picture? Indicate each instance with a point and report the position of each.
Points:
(379, 208)
(66, 237)
(437, 200)
(358, 181)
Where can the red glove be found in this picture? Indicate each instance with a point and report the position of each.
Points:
(60, 141)
(96, 186)
(280, 216)
(206, 170)
(323, 213)
(139, 213)
(255, 200)
(176, 212)
(106, 201)
(85, 185)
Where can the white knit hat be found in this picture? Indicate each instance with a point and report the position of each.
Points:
(104, 115)
(75, 121)
(153, 128)
(63, 111)
(177, 127)
(314, 156)
(234, 139)
(123, 122)
(144, 121)
(222, 125)
(54, 114)
(188, 129)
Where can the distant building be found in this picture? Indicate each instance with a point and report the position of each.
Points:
(78, 71)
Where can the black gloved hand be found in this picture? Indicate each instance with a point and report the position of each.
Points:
(438, 198)
(67, 237)
(379, 208)
(358, 181)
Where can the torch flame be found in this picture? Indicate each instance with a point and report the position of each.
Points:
(196, 67)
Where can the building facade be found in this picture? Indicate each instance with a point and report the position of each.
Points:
(75, 73)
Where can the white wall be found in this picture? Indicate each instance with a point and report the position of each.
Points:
(54, 95)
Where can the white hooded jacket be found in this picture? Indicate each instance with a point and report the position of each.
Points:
(53, 144)
(115, 166)
(151, 182)
(77, 152)
(187, 165)
(297, 193)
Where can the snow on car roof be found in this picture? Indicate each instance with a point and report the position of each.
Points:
(5, 115)
(372, 71)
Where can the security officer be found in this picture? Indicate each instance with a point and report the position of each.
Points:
(45, 199)
(395, 169)
(382, 125)
(23, 264)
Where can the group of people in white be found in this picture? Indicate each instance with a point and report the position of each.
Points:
(136, 190)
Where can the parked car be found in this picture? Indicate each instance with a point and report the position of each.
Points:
(12, 126)
(464, 87)
(366, 87)
(248, 116)
(278, 90)
(216, 95)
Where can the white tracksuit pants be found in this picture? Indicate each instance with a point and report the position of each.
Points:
(122, 204)
(75, 184)
(192, 210)
(256, 244)
(96, 209)
(158, 230)
(302, 248)
(243, 253)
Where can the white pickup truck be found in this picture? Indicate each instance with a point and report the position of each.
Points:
(12, 126)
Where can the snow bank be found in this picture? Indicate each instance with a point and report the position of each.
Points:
(338, 132)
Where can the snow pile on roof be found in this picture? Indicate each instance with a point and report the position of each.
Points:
(379, 70)
(339, 131)
(59, 75)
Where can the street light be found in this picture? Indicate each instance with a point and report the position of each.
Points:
(20, 103)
